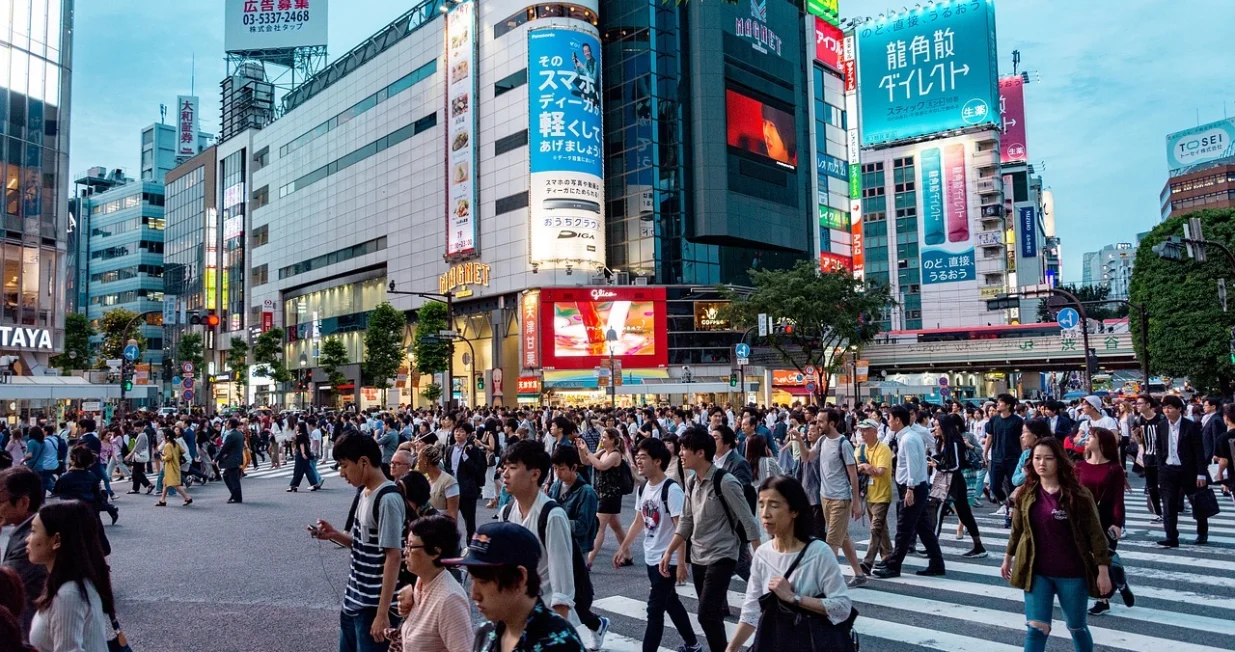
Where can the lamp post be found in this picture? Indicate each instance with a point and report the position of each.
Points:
(447, 298)
(304, 362)
(611, 337)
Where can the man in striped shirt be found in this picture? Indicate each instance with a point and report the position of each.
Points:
(1146, 434)
(376, 542)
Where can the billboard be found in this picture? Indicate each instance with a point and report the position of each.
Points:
(829, 44)
(529, 349)
(1028, 236)
(760, 129)
(461, 130)
(946, 236)
(928, 70)
(828, 10)
(1012, 148)
(186, 125)
(566, 190)
(829, 262)
(273, 24)
(1192, 148)
(575, 323)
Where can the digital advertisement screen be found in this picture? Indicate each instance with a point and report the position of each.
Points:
(576, 323)
(761, 129)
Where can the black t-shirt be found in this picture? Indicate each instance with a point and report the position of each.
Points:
(302, 440)
(1222, 450)
(1006, 433)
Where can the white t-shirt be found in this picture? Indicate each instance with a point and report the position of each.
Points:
(657, 530)
(1105, 422)
(315, 440)
(818, 573)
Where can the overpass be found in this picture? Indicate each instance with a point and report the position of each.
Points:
(1050, 353)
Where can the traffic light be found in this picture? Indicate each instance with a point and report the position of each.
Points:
(1091, 362)
(733, 379)
(1170, 249)
(480, 383)
(1231, 346)
(195, 318)
(211, 319)
(128, 385)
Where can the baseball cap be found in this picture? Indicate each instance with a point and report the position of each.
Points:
(868, 423)
(500, 544)
(1094, 401)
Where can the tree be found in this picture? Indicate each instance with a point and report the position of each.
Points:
(77, 334)
(116, 333)
(190, 350)
(432, 392)
(383, 345)
(432, 354)
(1086, 294)
(816, 315)
(238, 360)
(333, 356)
(1188, 331)
(267, 353)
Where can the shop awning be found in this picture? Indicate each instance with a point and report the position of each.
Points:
(792, 390)
(31, 388)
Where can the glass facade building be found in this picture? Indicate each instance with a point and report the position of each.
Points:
(35, 52)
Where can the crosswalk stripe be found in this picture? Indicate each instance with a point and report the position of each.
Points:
(631, 608)
(996, 546)
(1143, 525)
(615, 642)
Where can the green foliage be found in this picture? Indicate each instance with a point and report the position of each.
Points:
(829, 311)
(383, 343)
(432, 392)
(333, 355)
(431, 356)
(116, 333)
(189, 349)
(1087, 293)
(267, 352)
(77, 334)
(238, 360)
(1188, 332)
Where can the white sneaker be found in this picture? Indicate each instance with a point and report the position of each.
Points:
(1003, 511)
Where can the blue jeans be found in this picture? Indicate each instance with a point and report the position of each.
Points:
(354, 633)
(315, 478)
(158, 485)
(1073, 595)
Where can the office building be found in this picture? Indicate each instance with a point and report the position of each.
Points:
(1111, 267)
(159, 150)
(35, 75)
(1200, 168)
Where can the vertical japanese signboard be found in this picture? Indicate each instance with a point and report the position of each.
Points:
(186, 121)
(461, 130)
(530, 347)
(928, 70)
(1012, 148)
(1028, 226)
(947, 245)
(566, 187)
(829, 41)
(857, 250)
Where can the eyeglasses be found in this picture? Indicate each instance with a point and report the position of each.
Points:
(414, 547)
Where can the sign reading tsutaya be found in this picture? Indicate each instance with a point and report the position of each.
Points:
(186, 119)
(20, 337)
(755, 27)
(928, 70)
(272, 24)
(461, 130)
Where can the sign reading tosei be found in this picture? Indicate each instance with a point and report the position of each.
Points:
(273, 24)
(461, 130)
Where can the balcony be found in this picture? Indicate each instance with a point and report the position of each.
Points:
(992, 264)
(986, 159)
(990, 186)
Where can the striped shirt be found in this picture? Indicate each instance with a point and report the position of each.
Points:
(370, 541)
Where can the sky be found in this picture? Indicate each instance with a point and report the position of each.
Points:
(1109, 80)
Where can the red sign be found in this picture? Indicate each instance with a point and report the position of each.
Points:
(851, 75)
(789, 378)
(531, 329)
(1012, 147)
(958, 198)
(267, 321)
(529, 385)
(829, 44)
(576, 324)
(835, 263)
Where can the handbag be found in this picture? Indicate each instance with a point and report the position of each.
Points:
(941, 485)
(1204, 504)
(785, 627)
(120, 643)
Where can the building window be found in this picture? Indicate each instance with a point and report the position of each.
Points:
(261, 197)
(385, 142)
(511, 203)
(338, 256)
(260, 275)
(509, 83)
(260, 236)
(261, 158)
(510, 143)
(504, 27)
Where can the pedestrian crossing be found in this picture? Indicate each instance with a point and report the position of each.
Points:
(1185, 598)
(266, 472)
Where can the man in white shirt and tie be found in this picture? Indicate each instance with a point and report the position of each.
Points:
(914, 490)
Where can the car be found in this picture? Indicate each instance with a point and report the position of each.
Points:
(168, 411)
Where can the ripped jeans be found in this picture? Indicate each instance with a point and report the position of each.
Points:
(1073, 595)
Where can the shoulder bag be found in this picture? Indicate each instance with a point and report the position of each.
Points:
(785, 627)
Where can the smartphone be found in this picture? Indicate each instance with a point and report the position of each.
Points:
(313, 530)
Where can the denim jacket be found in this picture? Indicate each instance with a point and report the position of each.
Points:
(580, 502)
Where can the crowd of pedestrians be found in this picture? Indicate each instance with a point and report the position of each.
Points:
(765, 495)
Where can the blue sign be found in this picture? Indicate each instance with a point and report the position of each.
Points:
(946, 251)
(1200, 145)
(928, 70)
(1028, 236)
(188, 395)
(743, 350)
(940, 266)
(176, 380)
(131, 352)
(188, 383)
(1068, 318)
(933, 230)
(832, 166)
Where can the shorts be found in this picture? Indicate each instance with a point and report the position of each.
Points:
(836, 513)
(610, 505)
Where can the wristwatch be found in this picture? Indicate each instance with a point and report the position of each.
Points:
(797, 600)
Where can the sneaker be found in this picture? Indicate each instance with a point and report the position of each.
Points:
(1169, 543)
(1002, 511)
(599, 635)
(1099, 608)
(1156, 519)
(690, 648)
(931, 572)
(866, 568)
(1126, 592)
(922, 553)
(976, 553)
(858, 580)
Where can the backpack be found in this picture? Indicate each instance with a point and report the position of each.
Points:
(625, 479)
(377, 502)
(734, 524)
(62, 453)
(578, 566)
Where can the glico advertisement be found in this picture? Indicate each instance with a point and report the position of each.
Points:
(928, 70)
(566, 188)
(946, 233)
(575, 325)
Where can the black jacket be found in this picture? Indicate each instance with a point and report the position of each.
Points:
(471, 471)
(1210, 433)
(1064, 426)
(231, 455)
(1190, 449)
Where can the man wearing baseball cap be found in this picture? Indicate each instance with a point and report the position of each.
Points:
(875, 463)
(503, 559)
(1092, 417)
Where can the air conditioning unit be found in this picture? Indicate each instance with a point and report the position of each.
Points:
(623, 278)
(640, 280)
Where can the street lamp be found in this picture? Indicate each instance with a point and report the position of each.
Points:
(611, 337)
(304, 362)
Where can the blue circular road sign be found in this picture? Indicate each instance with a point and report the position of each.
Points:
(176, 380)
(1068, 318)
(743, 350)
(188, 394)
(131, 352)
(188, 383)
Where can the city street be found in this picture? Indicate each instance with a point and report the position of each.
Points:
(219, 578)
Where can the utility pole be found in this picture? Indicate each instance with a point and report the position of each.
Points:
(447, 298)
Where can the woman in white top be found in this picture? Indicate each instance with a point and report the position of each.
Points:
(73, 612)
(816, 585)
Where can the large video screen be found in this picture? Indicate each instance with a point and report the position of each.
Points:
(576, 323)
(761, 129)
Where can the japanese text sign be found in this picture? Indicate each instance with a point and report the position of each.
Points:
(273, 24)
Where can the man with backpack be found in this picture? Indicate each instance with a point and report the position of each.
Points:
(658, 508)
(729, 458)
(564, 577)
(717, 522)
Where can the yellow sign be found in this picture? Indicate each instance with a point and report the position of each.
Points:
(990, 293)
(463, 275)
